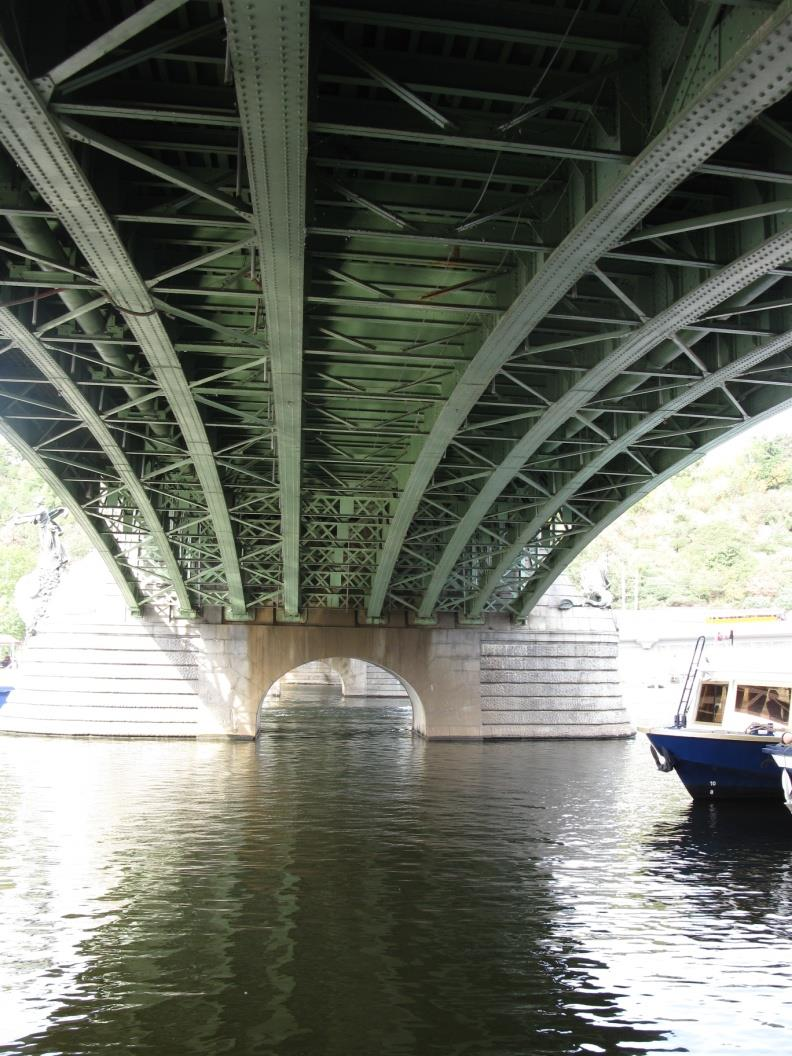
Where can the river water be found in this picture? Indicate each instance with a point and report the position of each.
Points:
(342, 888)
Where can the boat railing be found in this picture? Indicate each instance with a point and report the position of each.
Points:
(680, 719)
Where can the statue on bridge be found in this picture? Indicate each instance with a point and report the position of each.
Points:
(595, 585)
(51, 549)
(33, 591)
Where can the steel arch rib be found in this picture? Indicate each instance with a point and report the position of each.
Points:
(758, 76)
(34, 141)
(106, 551)
(603, 457)
(531, 596)
(30, 345)
(709, 294)
(269, 49)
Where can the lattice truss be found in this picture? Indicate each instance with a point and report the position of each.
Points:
(379, 305)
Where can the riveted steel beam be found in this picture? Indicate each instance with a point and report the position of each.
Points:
(408, 238)
(399, 90)
(712, 292)
(531, 24)
(198, 262)
(269, 49)
(162, 47)
(561, 560)
(34, 141)
(723, 107)
(104, 544)
(537, 106)
(556, 151)
(38, 355)
(439, 140)
(645, 425)
(697, 223)
(153, 12)
(82, 134)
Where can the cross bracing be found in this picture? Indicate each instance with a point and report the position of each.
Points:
(384, 306)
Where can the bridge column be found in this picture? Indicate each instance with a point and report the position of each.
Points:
(353, 675)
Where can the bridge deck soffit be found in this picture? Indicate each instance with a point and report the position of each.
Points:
(385, 306)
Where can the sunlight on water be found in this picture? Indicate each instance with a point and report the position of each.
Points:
(342, 887)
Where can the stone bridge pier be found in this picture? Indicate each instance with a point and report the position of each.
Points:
(93, 669)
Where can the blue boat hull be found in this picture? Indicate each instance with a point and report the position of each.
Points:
(4, 691)
(713, 768)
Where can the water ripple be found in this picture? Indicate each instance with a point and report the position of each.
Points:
(343, 888)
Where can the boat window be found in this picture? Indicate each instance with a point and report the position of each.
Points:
(764, 702)
(712, 697)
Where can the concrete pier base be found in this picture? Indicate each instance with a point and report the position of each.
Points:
(92, 669)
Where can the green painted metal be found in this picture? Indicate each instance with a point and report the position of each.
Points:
(30, 136)
(399, 90)
(580, 480)
(536, 25)
(730, 216)
(384, 244)
(109, 41)
(45, 362)
(710, 120)
(685, 458)
(76, 131)
(269, 48)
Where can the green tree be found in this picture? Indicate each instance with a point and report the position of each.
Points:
(718, 533)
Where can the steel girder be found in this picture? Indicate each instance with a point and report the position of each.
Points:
(723, 108)
(269, 51)
(554, 563)
(575, 488)
(43, 359)
(587, 389)
(32, 138)
(470, 179)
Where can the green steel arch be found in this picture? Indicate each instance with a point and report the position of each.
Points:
(381, 305)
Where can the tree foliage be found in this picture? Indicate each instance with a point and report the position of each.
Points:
(719, 533)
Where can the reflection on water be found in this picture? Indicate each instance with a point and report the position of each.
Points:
(344, 888)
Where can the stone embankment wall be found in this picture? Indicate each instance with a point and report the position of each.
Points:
(548, 685)
(381, 683)
(319, 673)
(556, 677)
(92, 669)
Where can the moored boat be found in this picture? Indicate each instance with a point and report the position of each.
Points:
(730, 711)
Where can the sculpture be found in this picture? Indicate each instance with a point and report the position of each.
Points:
(596, 588)
(51, 549)
(33, 591)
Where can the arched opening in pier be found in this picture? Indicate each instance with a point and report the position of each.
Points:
(343, 682)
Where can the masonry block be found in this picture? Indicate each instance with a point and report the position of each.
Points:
(95, 670)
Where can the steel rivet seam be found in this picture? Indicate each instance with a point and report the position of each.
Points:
(568, 492)
(664, 163)
(34, 141)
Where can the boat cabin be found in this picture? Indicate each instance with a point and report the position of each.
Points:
(736, 703)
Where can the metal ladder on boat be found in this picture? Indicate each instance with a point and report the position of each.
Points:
(680, 719)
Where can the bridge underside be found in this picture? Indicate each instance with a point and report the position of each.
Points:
(384, 306)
